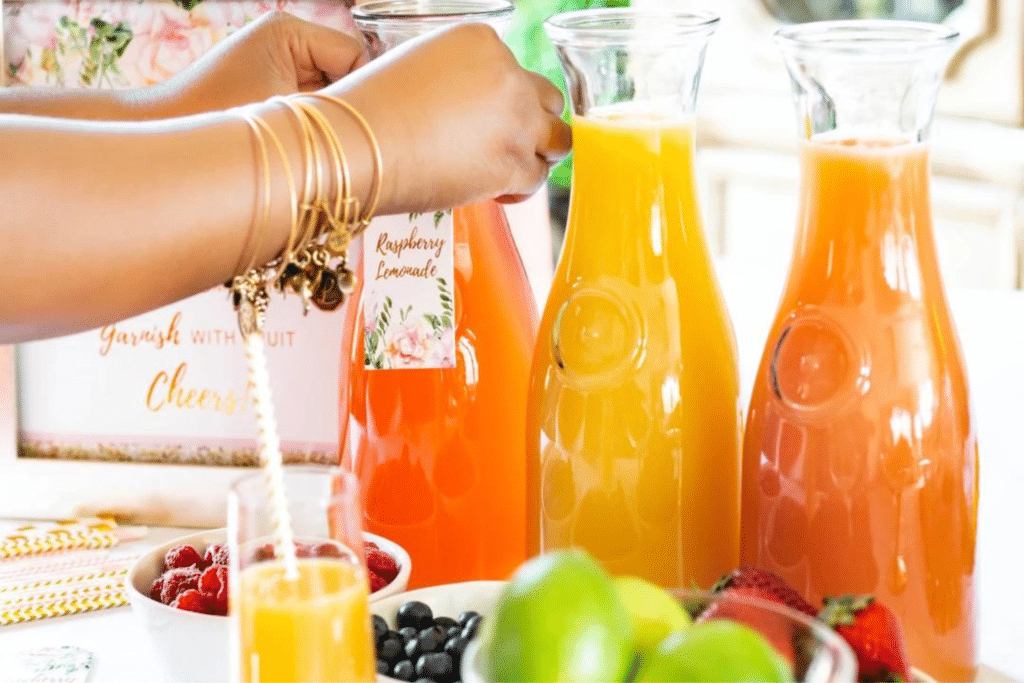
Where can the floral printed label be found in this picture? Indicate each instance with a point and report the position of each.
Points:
(408, 298)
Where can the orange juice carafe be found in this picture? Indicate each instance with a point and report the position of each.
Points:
(860, 465)
(634, 423)
(433, 410)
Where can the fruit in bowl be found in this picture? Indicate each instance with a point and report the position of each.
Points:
(197, 582)
(561, 617)
(192, 646)
(404, 629)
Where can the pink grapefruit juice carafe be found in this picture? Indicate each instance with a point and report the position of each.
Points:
(634, 422)
(860, 465)
(433, 411)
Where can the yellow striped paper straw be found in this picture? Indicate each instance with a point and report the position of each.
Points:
(62, 608)
(24, 544)
(30, 598)
(67, 580)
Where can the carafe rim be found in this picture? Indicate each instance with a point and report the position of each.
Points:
(870, 38)
(439, 11)
(629, 25)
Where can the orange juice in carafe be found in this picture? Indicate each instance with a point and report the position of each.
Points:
(634, 431)
(860, 455)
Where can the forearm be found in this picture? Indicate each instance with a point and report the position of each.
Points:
(138, 104)
(103, 221)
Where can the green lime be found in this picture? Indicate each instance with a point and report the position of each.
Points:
(559, 619)
(715, 651)
(653, 612)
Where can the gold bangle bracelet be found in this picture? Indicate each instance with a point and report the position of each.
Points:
(378, 177)
(344, 201)
(260, 221)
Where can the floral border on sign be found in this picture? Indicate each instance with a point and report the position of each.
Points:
(131, 43)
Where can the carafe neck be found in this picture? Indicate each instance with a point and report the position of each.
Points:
(633, 201)
(865, 226)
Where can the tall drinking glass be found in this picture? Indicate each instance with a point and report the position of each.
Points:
(860, 456)
(315, 626)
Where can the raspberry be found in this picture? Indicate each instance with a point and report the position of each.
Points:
(156, 588)
(216, 554)
(177, 581)
(263, 553)
(213, 581)
(192, 601)
(182, 556)
(377, 582)
(326, 550)
(381, 563)
(213, 584)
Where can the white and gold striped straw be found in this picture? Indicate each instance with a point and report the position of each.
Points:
(270, 451)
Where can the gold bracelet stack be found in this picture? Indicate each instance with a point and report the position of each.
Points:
(314, 264)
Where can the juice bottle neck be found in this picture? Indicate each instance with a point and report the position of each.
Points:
(633, 192)
(865, 220)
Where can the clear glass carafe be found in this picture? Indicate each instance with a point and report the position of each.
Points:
(634, 423)
(440, 451)
(860, 466)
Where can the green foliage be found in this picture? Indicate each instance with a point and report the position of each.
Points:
(187, 5)
(101, 44)
(527, 40)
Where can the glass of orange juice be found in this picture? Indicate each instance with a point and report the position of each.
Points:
(312, 624)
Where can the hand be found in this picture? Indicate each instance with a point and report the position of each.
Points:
(458, 120)
(278, 54)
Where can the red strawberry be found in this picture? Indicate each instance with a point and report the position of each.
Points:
(377, 582)
(382, 564)
(369, 544)
(178, 581)
(873, 632)
(776, 628)
(768, 587)
(192, 601)
(183, 556)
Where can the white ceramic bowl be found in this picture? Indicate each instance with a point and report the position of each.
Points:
(193, 647)
(447, 600)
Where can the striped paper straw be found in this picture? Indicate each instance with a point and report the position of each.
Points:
(270, 449)
(62, 607)
(57, 593)
(68, 580)
(33, 570)
(80, 539)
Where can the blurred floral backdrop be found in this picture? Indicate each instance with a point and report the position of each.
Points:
(128, 43)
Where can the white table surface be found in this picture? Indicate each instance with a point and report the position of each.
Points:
(992, 330)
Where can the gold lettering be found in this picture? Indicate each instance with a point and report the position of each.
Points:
(158, 338)
(161, 377)
(171, 391)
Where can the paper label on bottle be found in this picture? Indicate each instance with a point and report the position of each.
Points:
(408, 292)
